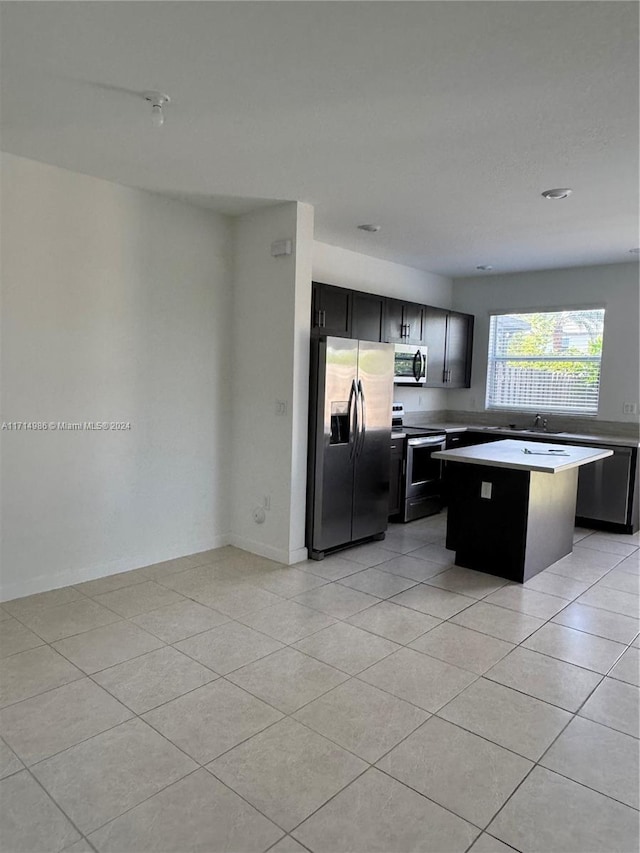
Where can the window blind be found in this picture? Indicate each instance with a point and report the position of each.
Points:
(546, 361)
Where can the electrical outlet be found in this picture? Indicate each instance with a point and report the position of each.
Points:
(630, 408)
(281, 407)
(485, 490)
(266, 502)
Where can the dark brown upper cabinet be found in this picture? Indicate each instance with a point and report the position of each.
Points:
(331, 310)
(403, 322)
(367, 316)
(458, 354)
(448, 336)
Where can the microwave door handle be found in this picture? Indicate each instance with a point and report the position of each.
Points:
(352, 415)
(363, 412)
(416, 370)
(423, 359)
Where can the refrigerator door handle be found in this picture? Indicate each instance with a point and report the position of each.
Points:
(363, 412)
(352, 414)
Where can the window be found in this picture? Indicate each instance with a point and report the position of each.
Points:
(547, 361)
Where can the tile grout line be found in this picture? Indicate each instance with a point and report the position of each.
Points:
(57, 805)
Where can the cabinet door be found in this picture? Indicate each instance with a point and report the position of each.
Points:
(393, 323)
(458, 350)
(395, 476)
(435, 335)
(413, 320)
(331, 313)
(367, 313)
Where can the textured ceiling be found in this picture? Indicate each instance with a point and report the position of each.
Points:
(441, 121)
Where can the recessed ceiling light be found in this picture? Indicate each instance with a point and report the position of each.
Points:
(484, 267)
(370, 228)
(557, 194)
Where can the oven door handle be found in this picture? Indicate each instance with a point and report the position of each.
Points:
(352, 415)
(363, 421)
(427, 440)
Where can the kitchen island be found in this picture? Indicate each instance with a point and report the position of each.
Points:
(512, 504)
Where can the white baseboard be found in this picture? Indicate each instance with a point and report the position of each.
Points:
(298, 556)
(47, 580)
(279, 555)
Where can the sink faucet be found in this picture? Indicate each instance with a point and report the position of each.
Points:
(540, 423)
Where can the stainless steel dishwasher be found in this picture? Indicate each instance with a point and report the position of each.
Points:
(605, 488)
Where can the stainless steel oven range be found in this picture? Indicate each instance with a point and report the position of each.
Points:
(421, 486)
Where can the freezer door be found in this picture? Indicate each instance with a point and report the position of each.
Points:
(335, 448)
(373, 443)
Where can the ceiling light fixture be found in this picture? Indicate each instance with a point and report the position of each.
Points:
(484, 267)
(157, 101)
(557, 194)
(372, 229)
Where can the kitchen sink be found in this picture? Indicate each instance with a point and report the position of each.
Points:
(528, 430)
(535, 430)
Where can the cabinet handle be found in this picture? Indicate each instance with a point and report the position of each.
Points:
(408, 330)
(323, 318)
(404, 467)
(444, 375)
(448, 376)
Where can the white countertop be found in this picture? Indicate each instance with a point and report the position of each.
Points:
(510, 454)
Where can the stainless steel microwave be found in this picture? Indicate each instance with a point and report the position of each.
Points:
(410, 364)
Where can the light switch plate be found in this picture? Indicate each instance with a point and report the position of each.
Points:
(485, 490)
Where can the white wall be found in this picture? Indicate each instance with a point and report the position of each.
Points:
(359, 271)
(615, 286)
(272, 307)
(116, 307)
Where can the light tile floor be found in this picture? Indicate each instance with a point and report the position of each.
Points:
(381, 700)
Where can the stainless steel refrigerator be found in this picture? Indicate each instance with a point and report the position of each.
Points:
(351, 395)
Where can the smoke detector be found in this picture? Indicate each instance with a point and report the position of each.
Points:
(157, 101)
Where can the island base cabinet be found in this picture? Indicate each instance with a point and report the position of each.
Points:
(508, 523)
